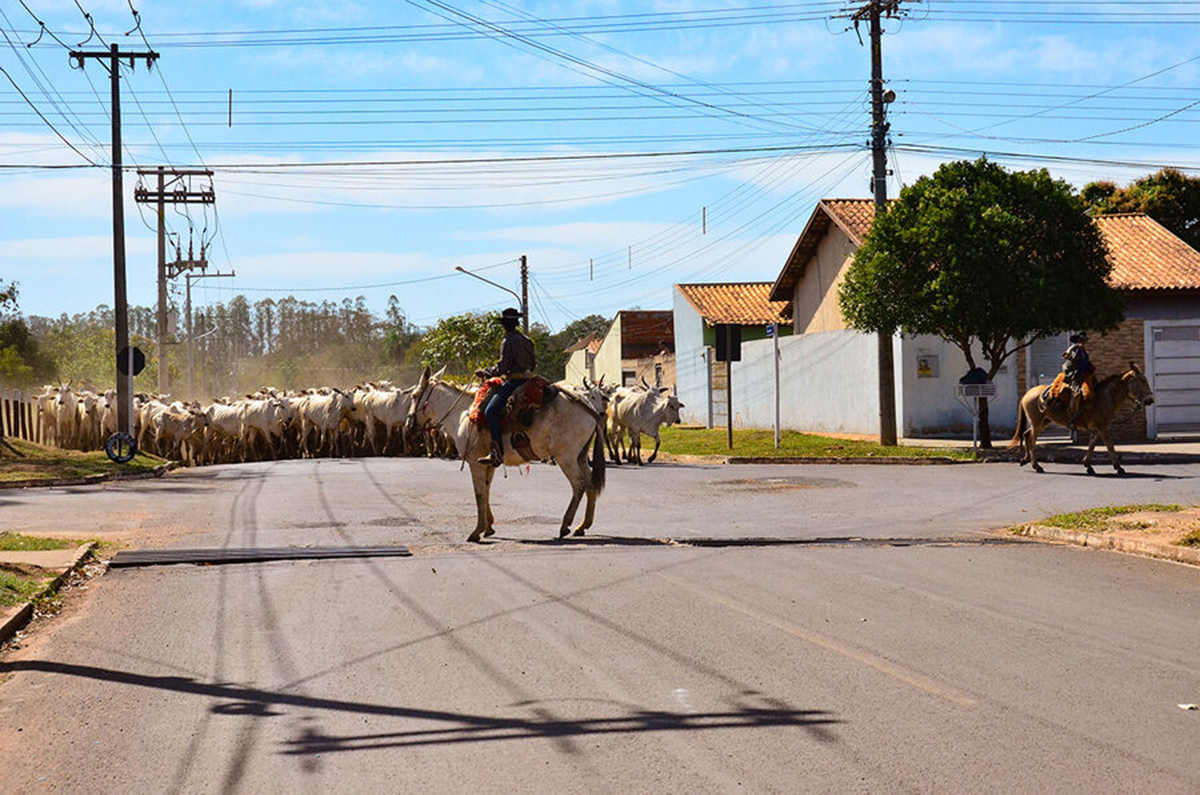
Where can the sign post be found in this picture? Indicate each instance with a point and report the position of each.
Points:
(729, 350)
(773, 333)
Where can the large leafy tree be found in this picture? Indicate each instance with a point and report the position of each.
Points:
(1170, 197)
(22, 362)
(986, 258)
(463, 343)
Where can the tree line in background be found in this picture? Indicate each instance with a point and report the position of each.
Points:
(287, 343)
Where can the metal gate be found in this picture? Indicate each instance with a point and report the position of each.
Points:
(1175, 353)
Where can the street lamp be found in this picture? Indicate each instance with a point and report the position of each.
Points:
(521, 299)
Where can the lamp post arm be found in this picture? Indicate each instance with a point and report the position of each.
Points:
(513, 293)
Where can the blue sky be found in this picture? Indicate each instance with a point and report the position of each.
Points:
(595, 96)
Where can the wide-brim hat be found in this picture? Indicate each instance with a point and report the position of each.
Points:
(512, 313)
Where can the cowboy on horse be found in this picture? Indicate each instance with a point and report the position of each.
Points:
(516, 366)
(1079, 375)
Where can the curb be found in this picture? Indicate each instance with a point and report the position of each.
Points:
(892, 460)
(87, 480)
(14, 622)
(1189, 555)
(1099, 459)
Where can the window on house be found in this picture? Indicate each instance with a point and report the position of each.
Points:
(658, 375)
(628, 378)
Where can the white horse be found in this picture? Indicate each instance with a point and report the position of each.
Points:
(562, 430)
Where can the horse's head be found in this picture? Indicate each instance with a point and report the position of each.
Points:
(1137, 386)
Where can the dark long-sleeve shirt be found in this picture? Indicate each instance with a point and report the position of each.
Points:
(1077, 364)
(516, 355)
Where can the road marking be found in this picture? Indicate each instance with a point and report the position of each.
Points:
(880, 664)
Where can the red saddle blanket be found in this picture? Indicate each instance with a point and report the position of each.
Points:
(527, 396)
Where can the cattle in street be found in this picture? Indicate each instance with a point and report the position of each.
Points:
(642, 411)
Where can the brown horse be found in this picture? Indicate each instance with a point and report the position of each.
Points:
(1096, 415)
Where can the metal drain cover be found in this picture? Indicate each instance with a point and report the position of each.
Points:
(167, 557)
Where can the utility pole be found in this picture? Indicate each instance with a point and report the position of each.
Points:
(120, 301)
(873, 11)
(171, 191)
(525, 294)
(191, 341)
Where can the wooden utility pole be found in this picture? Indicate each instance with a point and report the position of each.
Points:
(171, 191)
(873, 12)
(120, 302)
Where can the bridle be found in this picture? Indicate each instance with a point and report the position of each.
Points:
(422, 402)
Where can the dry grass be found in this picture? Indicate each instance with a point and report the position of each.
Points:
(27, 461)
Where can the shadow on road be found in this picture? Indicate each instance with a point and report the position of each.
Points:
(461, 727)
(757, 541)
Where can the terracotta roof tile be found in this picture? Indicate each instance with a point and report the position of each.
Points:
(1146, 255)
(742, 303)
(583, 342)
(855, 216)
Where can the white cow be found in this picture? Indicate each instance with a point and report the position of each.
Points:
(261, 419)
(66, 417)
(387, 407)
(48, 414)
(321, 415)
(641, 411)
(223, 438)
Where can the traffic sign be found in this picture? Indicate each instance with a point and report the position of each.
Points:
(139, 361)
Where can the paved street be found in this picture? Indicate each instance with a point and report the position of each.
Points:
(783, 644)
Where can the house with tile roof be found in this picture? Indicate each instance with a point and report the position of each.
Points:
(699, 309)
(1158, 273)
(639, 344)
(581, 359)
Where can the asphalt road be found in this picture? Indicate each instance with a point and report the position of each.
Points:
(955, 660)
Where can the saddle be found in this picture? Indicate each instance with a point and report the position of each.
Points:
(1060, 385)
(522, 406)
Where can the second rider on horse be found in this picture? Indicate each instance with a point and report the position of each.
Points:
(516, 366)
(1078, 373)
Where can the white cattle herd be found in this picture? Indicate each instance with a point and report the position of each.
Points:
(370, 419)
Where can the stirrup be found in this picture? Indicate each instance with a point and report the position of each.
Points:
(494, 458)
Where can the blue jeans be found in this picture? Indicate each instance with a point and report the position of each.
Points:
(494, 411)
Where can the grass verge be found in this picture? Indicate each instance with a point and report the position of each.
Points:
(17, 588)
(792, 444)
(28, 461)
(16, 542)
(1097, 520)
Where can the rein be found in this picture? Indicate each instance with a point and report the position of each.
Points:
(430, 427)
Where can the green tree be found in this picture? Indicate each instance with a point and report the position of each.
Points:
(1170, 197)
(22, 363)
(987, 259)
(462, 343)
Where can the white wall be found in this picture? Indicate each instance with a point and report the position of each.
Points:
(577, 369)
(929, 405)
(828, 382)
(608, 359)
(691, 374)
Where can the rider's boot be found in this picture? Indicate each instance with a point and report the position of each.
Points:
(496, 457)
(1073, 411)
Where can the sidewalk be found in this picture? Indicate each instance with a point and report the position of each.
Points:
(46, 570)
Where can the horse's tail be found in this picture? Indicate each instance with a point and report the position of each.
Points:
(598, 458)
(1022, 422)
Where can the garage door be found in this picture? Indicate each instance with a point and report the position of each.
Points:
(1177, 378)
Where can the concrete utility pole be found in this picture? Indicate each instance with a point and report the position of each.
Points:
(525, 294)
(523, 297)
(120, 302)
(873, 11)
(162, 197)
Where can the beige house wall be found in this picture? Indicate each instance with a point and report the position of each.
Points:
(577, 367)
(815, 299)
(608, 359)
(648, 369)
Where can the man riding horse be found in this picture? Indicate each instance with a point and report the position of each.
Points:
(516, 366)
(1079, 375)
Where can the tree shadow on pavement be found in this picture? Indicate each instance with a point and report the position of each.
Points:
(452, 727)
